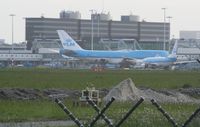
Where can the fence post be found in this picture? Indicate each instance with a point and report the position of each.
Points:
(169, 118)
(191, 117)
(129, 112)
(64, 108)
(95, 107)
(101, 112)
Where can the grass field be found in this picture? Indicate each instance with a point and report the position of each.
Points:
(79, 79)
(145, 116)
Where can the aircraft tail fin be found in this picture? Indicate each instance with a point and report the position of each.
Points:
(175, 48)
(67, 41)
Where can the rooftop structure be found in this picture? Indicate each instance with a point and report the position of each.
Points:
(130, 18)
(70, 15)
(190, 34)
(101, 17)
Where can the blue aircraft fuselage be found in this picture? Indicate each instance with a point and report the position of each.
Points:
(135, 54)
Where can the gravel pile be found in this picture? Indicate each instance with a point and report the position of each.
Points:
(127, 91)
(124, 91)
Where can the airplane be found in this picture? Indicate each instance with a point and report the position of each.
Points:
(160, 61)
(164, 62)
(72, 50)
(145, 58)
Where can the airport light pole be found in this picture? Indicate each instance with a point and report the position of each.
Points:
(169, 19)
(164, 9)
(12, 15)
(92, 12)
(98, 23)
(98, 20)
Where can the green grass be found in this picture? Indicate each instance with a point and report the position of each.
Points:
(11, 110)
(79, 79)
(146, 115)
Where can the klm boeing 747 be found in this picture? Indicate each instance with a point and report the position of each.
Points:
(72, 50)
(145, 58)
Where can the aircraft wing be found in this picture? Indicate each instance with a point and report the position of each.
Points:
(186, 62)
(69, 58)
(54, 50)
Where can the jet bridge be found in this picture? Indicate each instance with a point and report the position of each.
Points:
(120, 44)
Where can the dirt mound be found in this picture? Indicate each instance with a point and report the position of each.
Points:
(126, 91)
(20, 93)
(35, 94)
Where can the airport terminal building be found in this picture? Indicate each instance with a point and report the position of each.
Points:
(151, 34)
(42, 38)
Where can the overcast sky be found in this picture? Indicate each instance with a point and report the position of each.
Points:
(185, 13)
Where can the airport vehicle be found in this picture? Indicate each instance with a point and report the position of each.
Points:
(72, 50)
